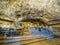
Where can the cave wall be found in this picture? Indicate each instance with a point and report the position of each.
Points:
(10, 6)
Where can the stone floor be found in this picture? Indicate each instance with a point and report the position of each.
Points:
(55, 41)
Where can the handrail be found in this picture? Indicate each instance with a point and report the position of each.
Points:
(22, 42)
(21, 39)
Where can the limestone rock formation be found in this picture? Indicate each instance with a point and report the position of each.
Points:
(15, 9)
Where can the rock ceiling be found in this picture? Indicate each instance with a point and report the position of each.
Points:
(47, 10)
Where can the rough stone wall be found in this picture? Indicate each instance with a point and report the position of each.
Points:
(52, 4)
(49, 9)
